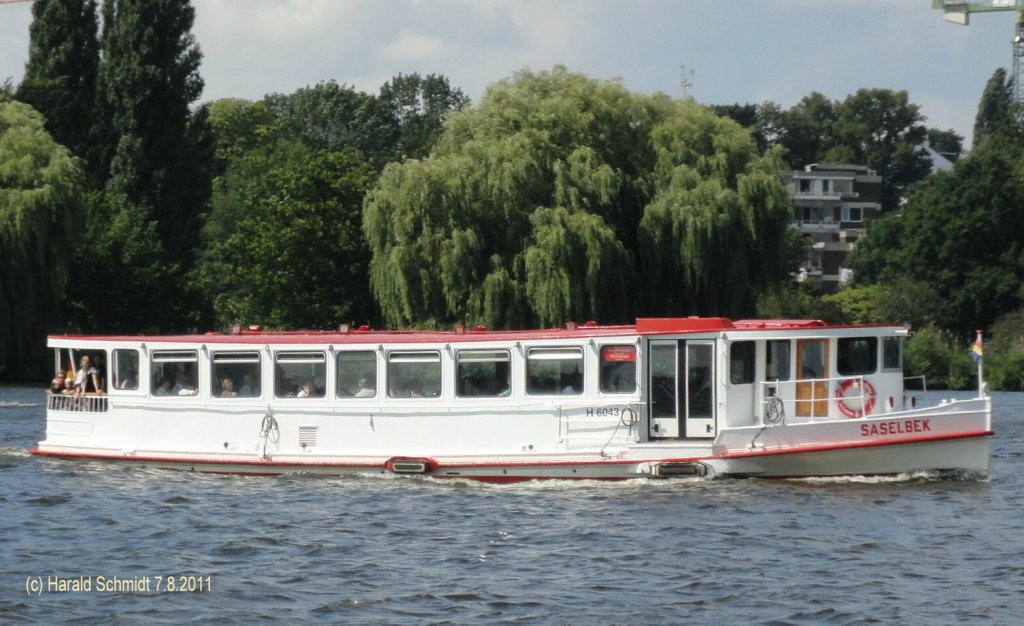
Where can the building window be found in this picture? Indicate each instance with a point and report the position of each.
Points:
(554, 371)
(235, 375)
(175, 373)
(853, 214)
(300, 375)
(357, 375)
(483, 373)
(741, 362)
(805, 186)
(618, 369)
(856, 356)
(126, 369)
(414, 374)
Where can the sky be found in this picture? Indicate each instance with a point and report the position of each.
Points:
(718, 51)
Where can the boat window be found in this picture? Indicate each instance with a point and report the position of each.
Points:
(125, 364)
(777, 360)
(414, 374)
(741, 362)
(618, 369)
(856, 355)
(357, 374)
(235, 375)
(483, 373)
(892, 353)
(300, 374)
(554, 371)
(175, 373)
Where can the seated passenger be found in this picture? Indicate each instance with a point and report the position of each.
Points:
(249, 389)
(367, 386)
(164, 389)
(183, 386)
(227, 388)
(131, 381)
(319, 387)
(305, 390)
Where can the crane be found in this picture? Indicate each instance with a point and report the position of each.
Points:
(959, 12)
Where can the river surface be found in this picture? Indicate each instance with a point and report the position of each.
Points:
(376, 550)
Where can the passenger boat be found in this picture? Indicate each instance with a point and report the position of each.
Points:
(663, 397)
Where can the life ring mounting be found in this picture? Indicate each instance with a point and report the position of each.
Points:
(867, 396)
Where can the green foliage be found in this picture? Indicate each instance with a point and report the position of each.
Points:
(947, 143)
(857, 305)
(420, 105)
(40, 183)
(60, 75)
(1005, 368)
(995, 109)
(927, 354)
(148, 79)
(532, 204)
(331, 117)
(962, 235)
(878, 128)
(284, 246)
(238, 126)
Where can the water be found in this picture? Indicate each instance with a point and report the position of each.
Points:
(373, 550)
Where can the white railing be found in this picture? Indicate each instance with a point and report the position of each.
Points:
(86, 403)
(780, 404)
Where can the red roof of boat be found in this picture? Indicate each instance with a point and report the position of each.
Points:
(363, 334)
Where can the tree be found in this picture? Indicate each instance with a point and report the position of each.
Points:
(149, 78)
(533, 205)
(60, 75)
(960, 233)
(948, 143)
(995, 109)
(40, 183)
(421, 106)
(880, 128)
(284, 245)
(156, 166)
(332, 117)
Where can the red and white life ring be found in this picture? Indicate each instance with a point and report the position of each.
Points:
(867, 392)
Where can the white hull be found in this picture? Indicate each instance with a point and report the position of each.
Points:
(954, 439)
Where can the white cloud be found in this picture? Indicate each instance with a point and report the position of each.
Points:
(413, 45)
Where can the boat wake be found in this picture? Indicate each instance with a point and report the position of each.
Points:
(924, 476)
(19, 405)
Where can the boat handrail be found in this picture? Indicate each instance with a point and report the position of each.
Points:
(856, 390)
(84, 403)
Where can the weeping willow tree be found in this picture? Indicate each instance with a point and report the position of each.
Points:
(561, 197)
(39, 189)
(713, 234)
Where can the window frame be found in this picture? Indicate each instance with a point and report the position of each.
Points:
(561, 354)
(479, 355)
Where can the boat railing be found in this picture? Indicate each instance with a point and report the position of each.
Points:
(815, 399)
(85, 403)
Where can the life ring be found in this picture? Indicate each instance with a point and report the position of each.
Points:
(867, 393)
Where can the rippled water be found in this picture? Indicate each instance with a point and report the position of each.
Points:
(374, 550)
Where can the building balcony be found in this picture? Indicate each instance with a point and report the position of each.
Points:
(817, 226)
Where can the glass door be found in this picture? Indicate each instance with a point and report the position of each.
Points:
(700, 389)
(663, 382)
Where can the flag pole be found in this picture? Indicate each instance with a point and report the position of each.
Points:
(980, 358)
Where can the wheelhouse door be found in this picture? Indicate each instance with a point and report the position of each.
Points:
(700, 389)
(812, 389)
(663, 383)
(681, 379)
